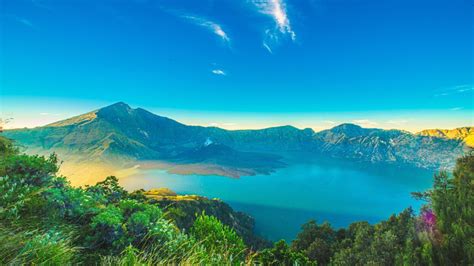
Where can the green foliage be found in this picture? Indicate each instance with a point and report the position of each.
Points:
(108, 189)
(7, 148)
(218, 238)
(452, 200)
(34, 247)
(73, 204)
(390, 242)
(22, 178)
(281, 254)
(47, 248)
(183, 214)
(34, 170)
(317, 242)
(107, 228)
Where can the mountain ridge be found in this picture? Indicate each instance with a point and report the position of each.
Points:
(465, 134)
(119, 132)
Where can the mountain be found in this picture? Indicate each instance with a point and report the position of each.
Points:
(465, 134)
(392, 146)
(119, 133)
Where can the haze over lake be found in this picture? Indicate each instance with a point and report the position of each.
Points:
(335, 191)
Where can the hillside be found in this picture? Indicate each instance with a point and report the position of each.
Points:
(119, 133)
(465, 134)
(183, 210)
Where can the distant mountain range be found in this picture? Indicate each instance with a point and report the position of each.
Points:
(121, 133)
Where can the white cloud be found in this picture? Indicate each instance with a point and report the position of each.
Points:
(456, 108)
(329, 122)
(276, 9)
(210, 25)
(219, 72)
(365, 122)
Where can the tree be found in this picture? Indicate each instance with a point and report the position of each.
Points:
(452, 200)
(316, 241)
(109, 188)
(107, 227)
(281, 254)
(23, 177)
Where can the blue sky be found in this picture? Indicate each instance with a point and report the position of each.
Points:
(241, 63)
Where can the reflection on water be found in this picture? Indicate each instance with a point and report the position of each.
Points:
(338, 192)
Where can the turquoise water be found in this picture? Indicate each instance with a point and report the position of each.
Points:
(337, 192)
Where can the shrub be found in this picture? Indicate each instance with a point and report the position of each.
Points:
(217, 238)
(281, 254)
(109, 189)
(107, 226)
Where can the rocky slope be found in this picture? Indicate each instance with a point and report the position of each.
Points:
(465, 134)
(392, 146)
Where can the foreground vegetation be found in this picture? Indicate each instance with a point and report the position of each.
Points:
(44, 220)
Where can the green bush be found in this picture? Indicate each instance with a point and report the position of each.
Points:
(108, 190)
(107, 228)
(281, 254)
(217, 238)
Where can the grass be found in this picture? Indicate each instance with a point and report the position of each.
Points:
(33, 247)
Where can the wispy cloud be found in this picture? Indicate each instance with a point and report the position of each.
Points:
(21, 20)
(455, 90)
(26, 22)
(276, 9)
(219, 72)
(209, 25)
(265, 45)
(365, 122)
(456, 108)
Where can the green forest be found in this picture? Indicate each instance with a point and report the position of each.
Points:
(46, 221)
